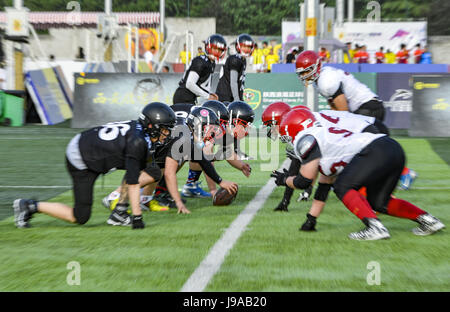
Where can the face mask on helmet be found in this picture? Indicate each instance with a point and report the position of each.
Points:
(245, 45)
(215, 48)
(209, 133)
(240, 127)
(272, 130)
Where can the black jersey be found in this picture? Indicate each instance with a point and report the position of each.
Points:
(234, 62)
(117, 145)
(204, 67)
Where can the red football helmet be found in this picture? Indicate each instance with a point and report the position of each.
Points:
(301, 107)
(271, 116)
(307, 66)
(294, 122)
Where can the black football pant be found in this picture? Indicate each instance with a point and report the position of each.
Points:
(83, 190)
(377, 167)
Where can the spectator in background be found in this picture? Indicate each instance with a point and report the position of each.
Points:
(2, 76)
(80, 55)
(349, 53)
(165, 69)
(266, 51)
(390, 57)
(426, 57)
(149, 57)
(277, 49)
(402, 55)
(362, 56)
(183, 55)
(418, 54)
(380, 57)
(290, 58)
(271, 59)
(200, 51)
(324, 55)
(258, 59)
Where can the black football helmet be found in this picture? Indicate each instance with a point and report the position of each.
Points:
(204, 124)
(244, 40)
(240, 113)
(221, 111)
(159, 115)
(218, 42)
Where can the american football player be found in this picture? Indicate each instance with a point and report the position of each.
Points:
(349, 161)
(344, 93)
(196, 81)
(123, 145)
(232, 76)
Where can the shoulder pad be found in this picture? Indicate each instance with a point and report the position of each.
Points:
(304, 146)
(329, 83)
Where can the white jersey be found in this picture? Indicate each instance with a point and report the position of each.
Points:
(337, 146)
(344, 120)
(355, 92)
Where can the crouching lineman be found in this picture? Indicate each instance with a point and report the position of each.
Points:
(202, 126)
(348, 161)
(345, 93)
(231, 130)
(123, 145)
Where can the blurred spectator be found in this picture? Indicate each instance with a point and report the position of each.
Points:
(149, 57)
(418, 54)
(200, 51)
(2, 76)
(324, 55)
(380, 57)
(390, 57)
(277, 49)
(258, 59)
(426, 57)
(349, 53)
(165, 69)
(356, 51)
(402, 55)
(271, 59)
(291, 57)
(183, 55)
(266, 51)
(300, 49)
(80, 55)
(362, 56)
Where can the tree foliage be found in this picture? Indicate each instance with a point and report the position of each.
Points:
(262, 17)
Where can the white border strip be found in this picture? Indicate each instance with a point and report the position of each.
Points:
(216, 256)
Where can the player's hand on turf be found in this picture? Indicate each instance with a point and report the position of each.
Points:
(137, 222)
(182, 208)
(280, 177)
(213, 96)
(310, 224)
(231, 187)
(246, 169)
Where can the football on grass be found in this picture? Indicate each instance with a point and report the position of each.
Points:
(223, 198)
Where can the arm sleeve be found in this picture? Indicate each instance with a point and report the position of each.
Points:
(191, 85)
(135, 160)
(209, 170)
(234, 84)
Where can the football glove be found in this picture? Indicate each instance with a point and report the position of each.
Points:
(310, 224)
(280, 177)
(137, 222)
(304, 196)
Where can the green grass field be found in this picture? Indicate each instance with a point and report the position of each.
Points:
(271, 255)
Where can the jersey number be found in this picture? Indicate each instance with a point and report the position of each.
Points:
(111, 131)
(340, 131)
(329, 118)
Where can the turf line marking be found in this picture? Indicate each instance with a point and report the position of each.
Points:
(211, 263)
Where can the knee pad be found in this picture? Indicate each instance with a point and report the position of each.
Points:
(82, 214)
(154, 171)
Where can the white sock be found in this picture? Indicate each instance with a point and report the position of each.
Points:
(114, 195)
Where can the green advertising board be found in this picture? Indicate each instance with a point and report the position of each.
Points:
(263, 89)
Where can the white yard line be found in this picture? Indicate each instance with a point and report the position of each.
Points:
(212, 262)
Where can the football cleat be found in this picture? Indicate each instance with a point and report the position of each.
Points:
(407, 179)
(304, 196)
(283, 205)
(194, 190)
(428, 225)
(119, 218)
(374, 231)
(156, 206)
(145, 202)
(22, 212)
(164, 199)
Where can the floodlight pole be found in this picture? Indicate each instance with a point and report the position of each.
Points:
(109, 49)
(311, 42)
(162, 15)
(351, 10)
